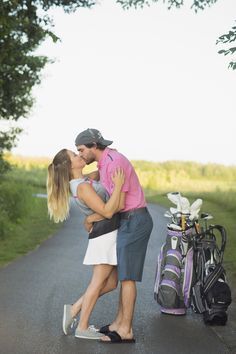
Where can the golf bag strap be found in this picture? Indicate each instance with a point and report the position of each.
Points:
(212, 278)
(223, 234)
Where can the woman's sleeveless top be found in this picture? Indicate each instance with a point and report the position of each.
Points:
(97, 186)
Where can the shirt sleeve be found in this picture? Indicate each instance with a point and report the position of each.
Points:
(122, 163)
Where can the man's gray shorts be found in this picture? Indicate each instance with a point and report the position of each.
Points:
(132, 239)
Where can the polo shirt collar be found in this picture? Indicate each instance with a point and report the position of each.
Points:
(101, 162)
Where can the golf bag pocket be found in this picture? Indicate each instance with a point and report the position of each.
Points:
(217, 300)
(172, 273)
(173, 257)
(168, 296)
(220, 294)
(197, 298)
(169, 289)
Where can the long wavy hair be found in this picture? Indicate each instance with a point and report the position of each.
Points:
(58, 188)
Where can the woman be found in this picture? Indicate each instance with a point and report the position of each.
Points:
(65, 176)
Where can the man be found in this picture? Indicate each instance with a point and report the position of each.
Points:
(134, 231)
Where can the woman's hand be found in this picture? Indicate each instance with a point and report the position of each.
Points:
(118, 177)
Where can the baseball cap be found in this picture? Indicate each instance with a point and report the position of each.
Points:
(90, 136)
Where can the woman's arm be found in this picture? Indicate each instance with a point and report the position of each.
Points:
(122, 201)
(86, 193)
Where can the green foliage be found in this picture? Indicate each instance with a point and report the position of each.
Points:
(196, 4)
(7, 141)
(15, 200)
(185, 175)
(5, 224)
(228, 38)
(24, 25)
(202, 4)
(29, 233)
(4, 166)
(34, 176)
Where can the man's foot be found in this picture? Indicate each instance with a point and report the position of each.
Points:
(109, 328)
(105, 329)
(69, 323)
(114, 337)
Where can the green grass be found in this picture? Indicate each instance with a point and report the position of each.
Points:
(28, 234)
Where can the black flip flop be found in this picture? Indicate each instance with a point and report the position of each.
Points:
(116, 338)
(105, 329)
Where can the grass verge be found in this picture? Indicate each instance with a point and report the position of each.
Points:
(28, 234)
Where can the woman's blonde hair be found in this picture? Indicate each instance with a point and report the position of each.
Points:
(58, 188)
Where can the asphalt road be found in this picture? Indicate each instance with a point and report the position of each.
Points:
(34, 288)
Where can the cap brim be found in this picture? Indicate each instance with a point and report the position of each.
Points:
(106, 142)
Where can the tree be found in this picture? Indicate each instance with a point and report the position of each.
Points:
(24, 25)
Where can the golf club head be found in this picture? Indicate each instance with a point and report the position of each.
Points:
(174, 197)
(174, 227)
(173, 210)
(194, 214)
(168, 214)
(196, 205)
(185, 205)
(205, 216)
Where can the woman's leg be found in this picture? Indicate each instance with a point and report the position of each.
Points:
(110, 284)
(101, 273)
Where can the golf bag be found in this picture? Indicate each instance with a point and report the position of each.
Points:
(211, 294)
(174, 272)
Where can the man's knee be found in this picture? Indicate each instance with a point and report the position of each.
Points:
(128, 283)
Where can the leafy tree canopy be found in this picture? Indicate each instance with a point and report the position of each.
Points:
(24, 25)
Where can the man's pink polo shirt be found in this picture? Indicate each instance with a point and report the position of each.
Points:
(110, 160)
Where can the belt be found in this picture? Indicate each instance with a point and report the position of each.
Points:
(128, 213)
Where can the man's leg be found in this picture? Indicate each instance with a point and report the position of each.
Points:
(116, 323)
(126, 311)
(129, 294)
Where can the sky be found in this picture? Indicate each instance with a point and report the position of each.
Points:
(151, 80)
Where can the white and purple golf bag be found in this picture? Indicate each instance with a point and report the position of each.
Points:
(174, 273)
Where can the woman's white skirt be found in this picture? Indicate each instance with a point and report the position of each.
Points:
(102, 250)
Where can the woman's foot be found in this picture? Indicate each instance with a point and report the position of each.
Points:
(69, 322)
(90, 333)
